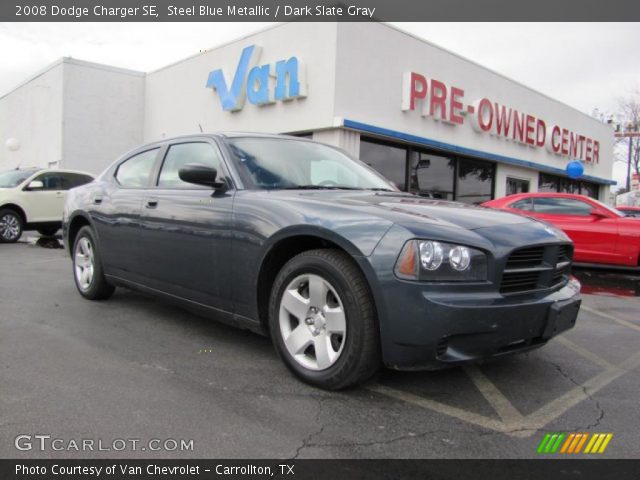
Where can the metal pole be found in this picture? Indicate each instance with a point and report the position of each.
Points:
(629, 164)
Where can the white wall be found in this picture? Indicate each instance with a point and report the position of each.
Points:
(177, 101)
(372, 58)
(32, 113)
(503, 171)
(103, 114)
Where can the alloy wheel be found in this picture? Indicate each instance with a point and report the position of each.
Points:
(312, 321)
(84, 262)
(9, 227)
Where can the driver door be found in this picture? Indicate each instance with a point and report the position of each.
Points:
(45, 204)
(185, 235)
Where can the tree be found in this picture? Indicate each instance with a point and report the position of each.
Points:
(629, 120)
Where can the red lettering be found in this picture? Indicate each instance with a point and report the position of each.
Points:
(596, 151)
(573, 145)
(555, 134)
(518, 127)
(581, 139)
(541, 132)
(456, 105)
(503, 120)
(564, 142)
(529, 130)
(485, 122)
(588, 155)
(418, 89)
(438, 98)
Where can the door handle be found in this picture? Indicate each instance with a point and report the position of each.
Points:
(152, 203)
(97, 200)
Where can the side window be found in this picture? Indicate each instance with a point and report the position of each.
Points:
(135, 172)
(179, 155)
(53, 181)
(524, 204)
(561, 206)
(76, 179)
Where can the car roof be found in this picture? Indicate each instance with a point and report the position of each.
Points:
(518, 196)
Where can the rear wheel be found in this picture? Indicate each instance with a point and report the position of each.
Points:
(87, 267)
(11, 226)
(322, 320)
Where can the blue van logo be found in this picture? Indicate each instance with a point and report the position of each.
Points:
(254, 83)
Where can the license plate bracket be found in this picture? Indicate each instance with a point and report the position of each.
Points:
(562, 316)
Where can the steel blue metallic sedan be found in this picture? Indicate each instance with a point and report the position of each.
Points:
(299, 241)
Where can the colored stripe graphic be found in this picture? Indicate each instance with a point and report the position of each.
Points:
(573, 443)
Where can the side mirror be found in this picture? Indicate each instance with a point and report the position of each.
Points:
(35, 185)
(597, 214)
(199, 174)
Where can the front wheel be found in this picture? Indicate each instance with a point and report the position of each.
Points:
(322, 320)
(87, 267)
(11, 226)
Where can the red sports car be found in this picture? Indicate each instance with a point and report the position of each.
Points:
(601, 234)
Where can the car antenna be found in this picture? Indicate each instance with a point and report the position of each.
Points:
(201, 131)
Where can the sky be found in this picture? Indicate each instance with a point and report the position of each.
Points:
(586, 65)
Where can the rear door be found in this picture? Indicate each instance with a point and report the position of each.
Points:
(115, 210)
(186, 229)
(595, 237)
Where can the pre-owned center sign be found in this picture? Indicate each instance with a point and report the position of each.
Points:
(446, 103)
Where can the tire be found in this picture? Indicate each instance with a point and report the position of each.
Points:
(48, 232)
(88, 274)
(11, 225)
(322, 320)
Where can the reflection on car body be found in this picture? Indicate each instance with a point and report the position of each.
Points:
(297, 240)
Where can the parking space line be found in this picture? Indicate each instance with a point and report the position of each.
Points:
(439, 407)
(598, 360)
(503, 407)
(611, 317)
(512, 423)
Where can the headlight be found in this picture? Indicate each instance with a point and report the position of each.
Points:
(434, 261)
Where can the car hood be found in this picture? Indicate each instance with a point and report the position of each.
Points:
(403, 208)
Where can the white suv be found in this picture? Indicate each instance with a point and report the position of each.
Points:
(33, 199)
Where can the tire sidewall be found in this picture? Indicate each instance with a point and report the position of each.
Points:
(20, 225)
(86, 232)
(353, 338)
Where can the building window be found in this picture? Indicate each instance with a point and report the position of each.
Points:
(517, 185)
(389, 160)
(431, 175)
(554, 183)
(428, 173)
(474, 181)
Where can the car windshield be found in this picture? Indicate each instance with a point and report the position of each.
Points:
(274, 163)
(13, 178)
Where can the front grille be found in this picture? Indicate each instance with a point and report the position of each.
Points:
(536, 268)
(526, 257)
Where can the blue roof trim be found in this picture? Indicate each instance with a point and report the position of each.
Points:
(364, 127)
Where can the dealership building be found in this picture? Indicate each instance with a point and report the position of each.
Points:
(429, 120)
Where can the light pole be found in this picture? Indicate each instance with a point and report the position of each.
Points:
(630, 133)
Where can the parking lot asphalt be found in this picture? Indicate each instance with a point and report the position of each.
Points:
(136, 368)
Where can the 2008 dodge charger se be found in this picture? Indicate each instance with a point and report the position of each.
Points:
(297, 240)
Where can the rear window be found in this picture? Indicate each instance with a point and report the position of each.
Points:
(136, 171)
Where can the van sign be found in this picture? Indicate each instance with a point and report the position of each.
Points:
(258, 83)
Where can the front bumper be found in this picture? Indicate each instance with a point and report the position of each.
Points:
(425, 331)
